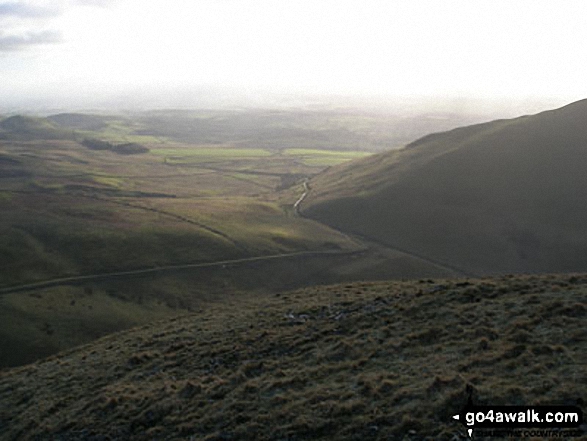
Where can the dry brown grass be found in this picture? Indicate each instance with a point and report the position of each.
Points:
(359, 361)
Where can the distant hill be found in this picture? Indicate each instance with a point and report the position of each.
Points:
(365, 361)
(79, 121)
(21, 127)
(504, 196)
(340, 129)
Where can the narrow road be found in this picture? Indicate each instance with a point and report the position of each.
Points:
(296, 206)
(105, 276)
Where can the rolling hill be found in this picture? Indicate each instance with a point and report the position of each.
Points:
(25, 128)
(117, 239)
(499, 197)
(94, 239)
(386, 360)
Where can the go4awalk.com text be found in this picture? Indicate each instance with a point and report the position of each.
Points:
(510, 420)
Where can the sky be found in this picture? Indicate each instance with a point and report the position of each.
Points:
(75, 51)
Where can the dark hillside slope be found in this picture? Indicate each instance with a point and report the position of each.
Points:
(79, 121)
(26, 128)
(505, 196)
(365, 361)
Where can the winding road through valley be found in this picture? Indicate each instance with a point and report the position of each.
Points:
(72, 280)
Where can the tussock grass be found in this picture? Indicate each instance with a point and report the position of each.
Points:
(389, 360)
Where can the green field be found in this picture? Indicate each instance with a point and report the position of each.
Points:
(211, 152)
(324, 158)
(335, 153)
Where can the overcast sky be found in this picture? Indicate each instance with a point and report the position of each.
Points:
(511, 49)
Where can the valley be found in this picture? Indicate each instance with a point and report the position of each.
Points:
(172, 209)
(234, 275)
(306, 220)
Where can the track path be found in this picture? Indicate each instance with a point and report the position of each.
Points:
(296, 206)
(73, 280)
(363, 242)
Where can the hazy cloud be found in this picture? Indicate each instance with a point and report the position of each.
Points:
(25, 10)
(10, 43)
(98, 3)
(24, 24)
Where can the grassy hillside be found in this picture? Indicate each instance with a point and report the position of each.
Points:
(360, 361)
(505, 196)
(21, 127)
(109, 241)
(69, 210)
(80, 121)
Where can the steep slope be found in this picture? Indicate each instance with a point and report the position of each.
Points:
(346, 362)
(505, 196)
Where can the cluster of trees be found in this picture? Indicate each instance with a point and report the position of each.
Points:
(129, 148)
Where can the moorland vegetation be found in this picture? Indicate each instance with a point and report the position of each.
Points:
(227, 282)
